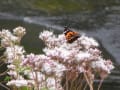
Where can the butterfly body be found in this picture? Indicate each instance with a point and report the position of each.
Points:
(70, 35)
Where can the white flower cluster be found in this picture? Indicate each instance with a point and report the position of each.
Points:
(80, 56)
(44, 68)
(60, 58)
(20, 83)
(19, 31)
(14, 52)
(43, 63)
(9, 39)
(83, 50)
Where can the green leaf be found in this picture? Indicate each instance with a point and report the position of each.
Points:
(24, 88)
(7, 78)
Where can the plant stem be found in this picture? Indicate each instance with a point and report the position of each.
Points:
(101, 81)
(66, 81)
(88, 81)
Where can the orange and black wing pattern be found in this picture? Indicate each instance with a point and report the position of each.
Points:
(70, 36)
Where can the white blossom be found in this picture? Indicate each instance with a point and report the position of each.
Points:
(11, 66)
(61, 39)
(88, 42)
(18, 83)
(53, 68)
(82, 56)
(34, 61)
(19, 31)
(5, 43)
(59, 69)
(40, 77)
(5, 33)
(8, 39)
(12, 73)
(45, 35)
(102, 65)
(47, 69)
(14, 53)
(51, 52)
(51, 83)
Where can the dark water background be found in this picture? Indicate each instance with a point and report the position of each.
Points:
(97, 18)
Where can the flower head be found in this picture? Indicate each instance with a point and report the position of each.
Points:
(45, 35)
(18, 83)
(19, 31)
(14, 53)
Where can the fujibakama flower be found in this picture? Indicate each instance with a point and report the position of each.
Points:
(8, 39)
(36, 75)
(82, 50)
(18, 83)
(60, 53)
(53, 68)
(5, 42)
(109, 65)
(51, 83)
(14, 39)
(81, 69)
(19, 31)
(46, 70)
(94, 51)
(82, 56)
(5, 33)
(51, 52)
(88, 42)
(61, 39)
(51, 40)
(34, 61)
(40, 60)
(11, 66)
(12, 73)
(14, 53)
(102, 65)
(45, 35)
(59, 69)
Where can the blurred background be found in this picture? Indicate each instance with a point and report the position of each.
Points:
(96, 18)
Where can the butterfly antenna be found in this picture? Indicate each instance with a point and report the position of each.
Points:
(66, 28)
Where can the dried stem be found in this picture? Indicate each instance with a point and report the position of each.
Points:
(100, 84)
(4, 86)
(66, 80)
(36, 80)
(88, 81)
(4, 73)
(85, 87)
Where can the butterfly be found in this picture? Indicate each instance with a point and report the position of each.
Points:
(70, 35)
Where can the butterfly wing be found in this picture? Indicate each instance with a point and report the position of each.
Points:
(71, 36)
